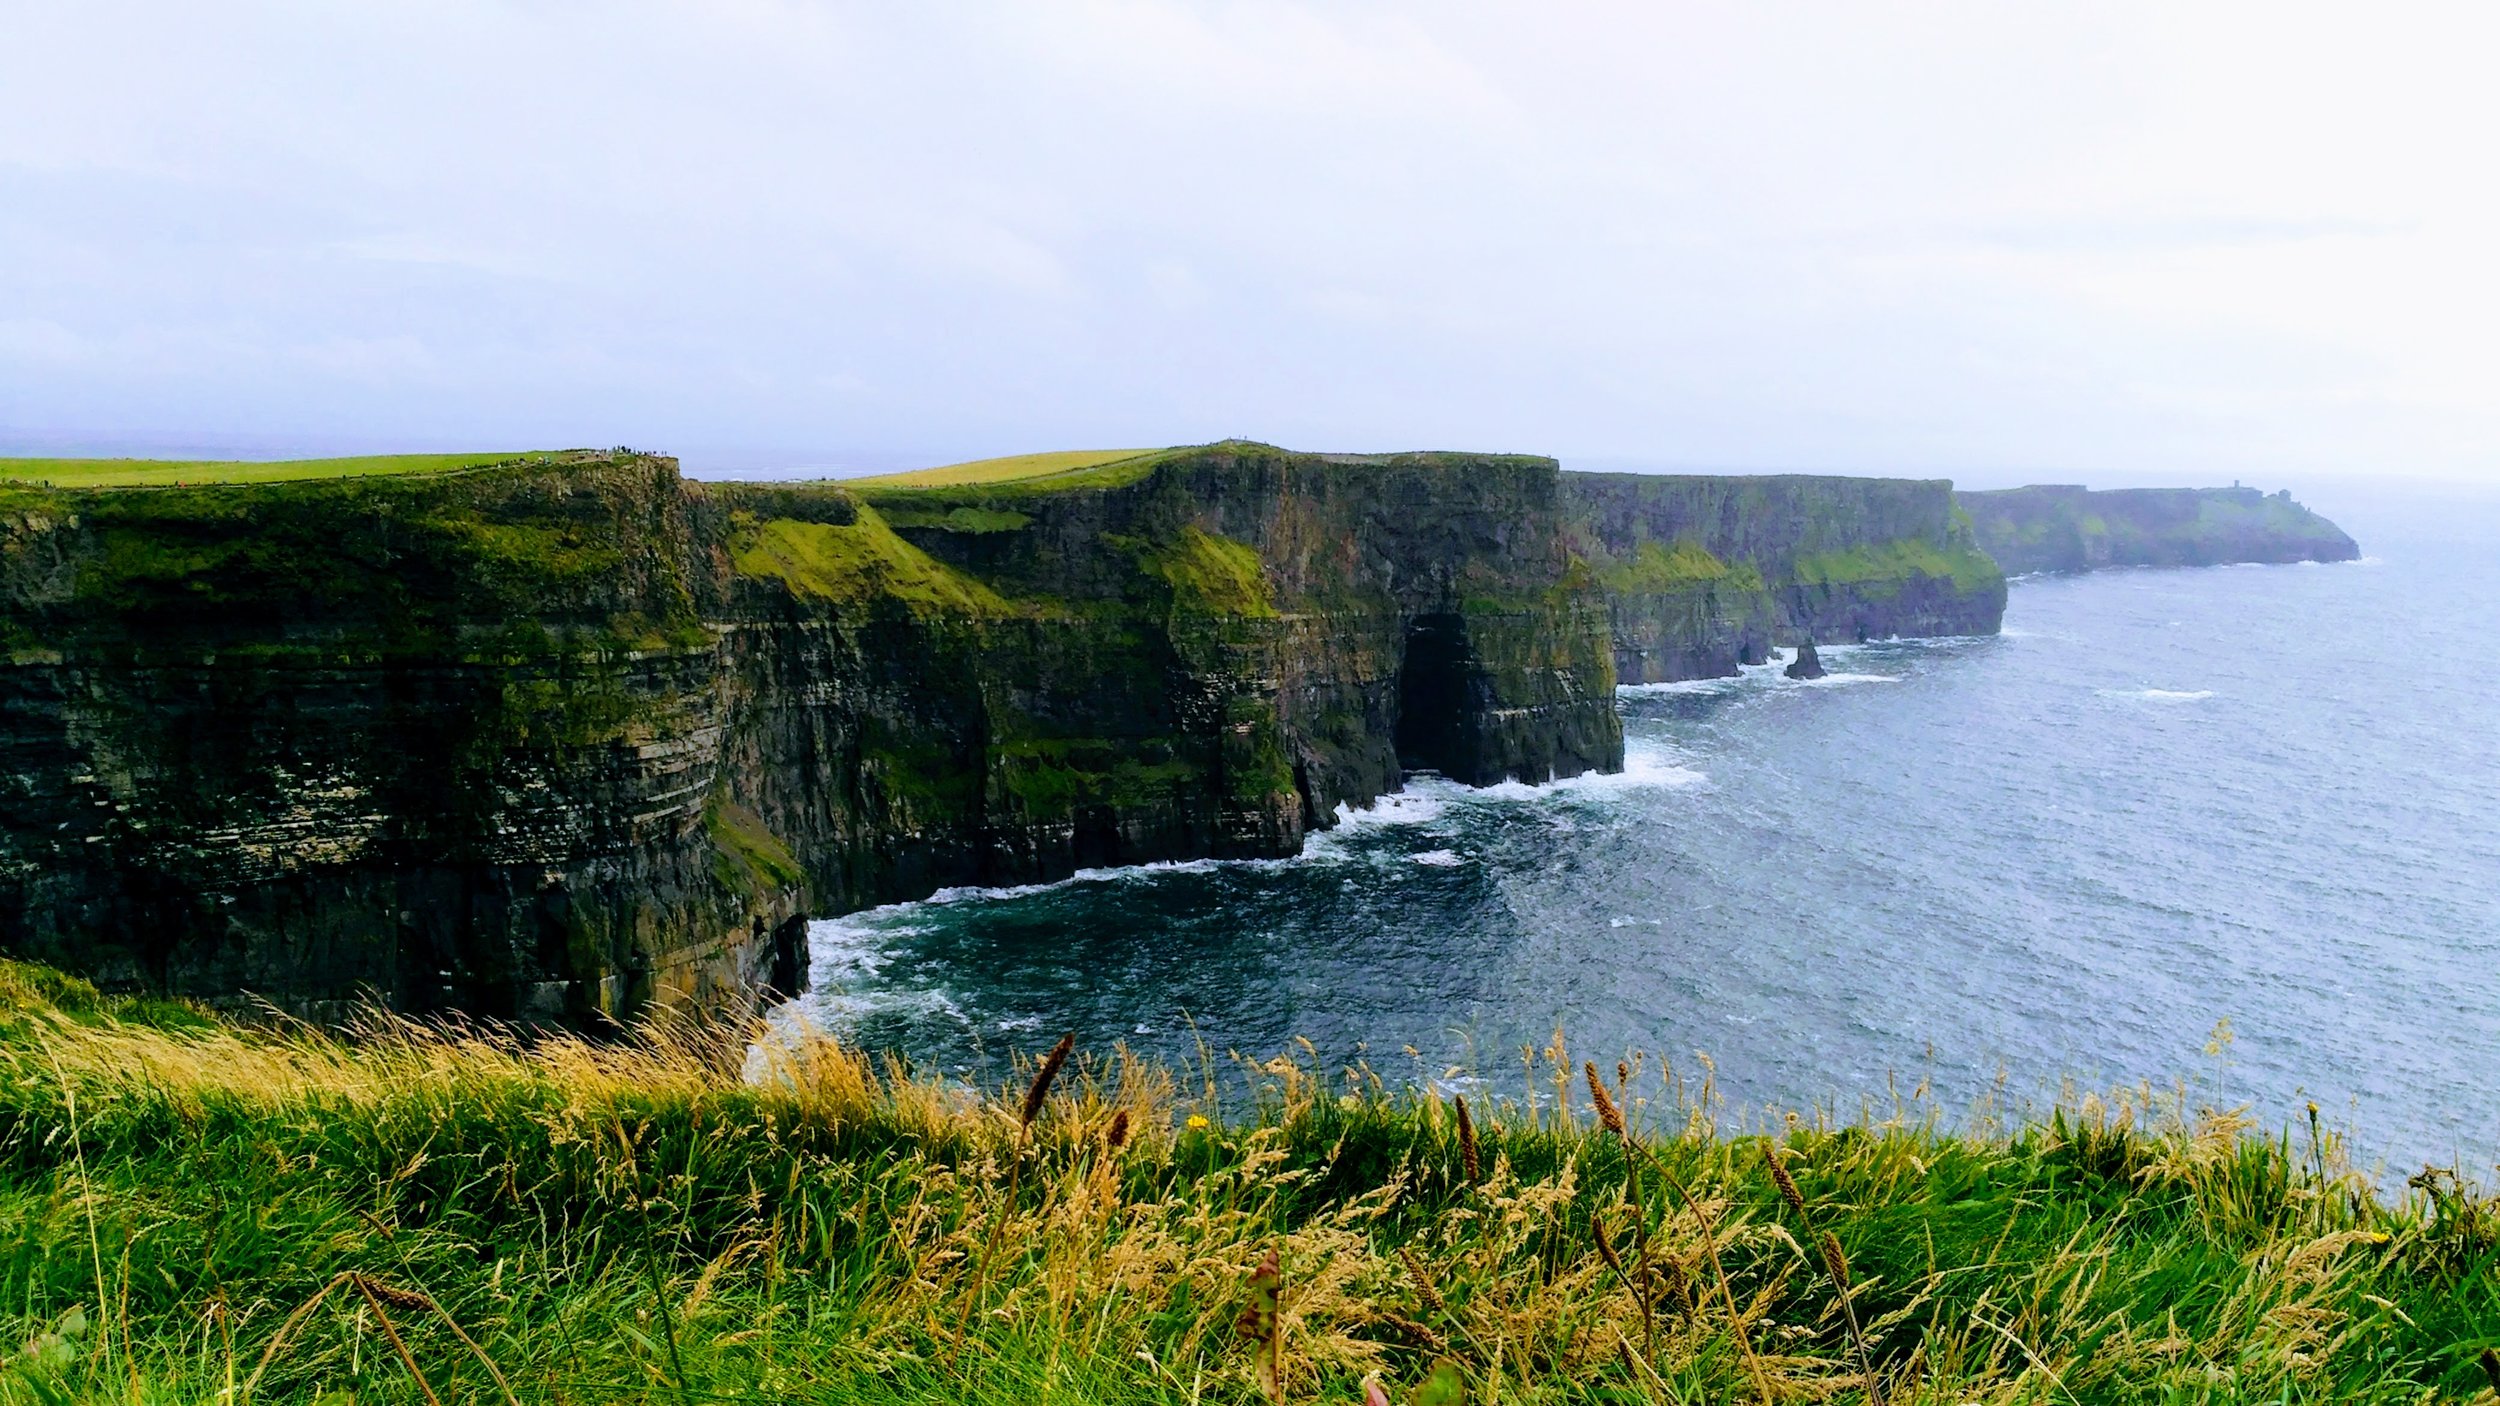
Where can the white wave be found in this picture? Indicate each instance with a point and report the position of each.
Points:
(2158, 695)
(1894, 644)
(1774, 674)
(1437, 859)
(1713, 685)
(1645, 768)
(1418, 804)
(852, 945)
(1108, 874)
(845, 949)
(837, 1012)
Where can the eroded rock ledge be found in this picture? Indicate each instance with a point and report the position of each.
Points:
(564, 737)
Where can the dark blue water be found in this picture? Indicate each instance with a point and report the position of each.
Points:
(2161, 800)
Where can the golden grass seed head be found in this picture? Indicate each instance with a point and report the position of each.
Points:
(1835, 1261)
(1036, 1095)
(1425, 1293)
(1605, 1244)
(1607, 1113)
(1780, 1178)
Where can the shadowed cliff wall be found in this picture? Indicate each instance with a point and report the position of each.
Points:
(563, 738)
(560, 739)
(447, 739)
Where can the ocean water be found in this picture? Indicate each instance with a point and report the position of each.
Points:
(2161, 800)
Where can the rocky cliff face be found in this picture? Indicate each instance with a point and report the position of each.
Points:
(1201, 654)
(1704, 572)
(452, 741)
(560, 739)
(2060, 527)
(564, 738)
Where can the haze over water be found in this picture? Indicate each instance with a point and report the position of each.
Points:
(2162, 799)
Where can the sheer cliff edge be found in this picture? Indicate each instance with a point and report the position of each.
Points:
(567, 736)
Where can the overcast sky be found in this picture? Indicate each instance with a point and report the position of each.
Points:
(1987, 240)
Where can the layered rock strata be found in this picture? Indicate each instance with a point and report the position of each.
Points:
(1705, 572)
(569, 737)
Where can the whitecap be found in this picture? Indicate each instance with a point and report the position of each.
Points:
(1831, 680)
(1437, 859)
(2158, 695)
(1108, 874)
(1719, 684)
(1418, 804)
(1648, 768)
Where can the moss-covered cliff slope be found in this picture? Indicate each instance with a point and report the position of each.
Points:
(563, 736)
(2064, 527)
(1704, 572)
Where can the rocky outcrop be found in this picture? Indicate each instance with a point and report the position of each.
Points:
(1807, 664)
(2059, 527)
(1705, 572)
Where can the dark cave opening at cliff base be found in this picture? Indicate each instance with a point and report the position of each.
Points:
(1433, 709)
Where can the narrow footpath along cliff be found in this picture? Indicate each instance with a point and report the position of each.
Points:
(564, 737)
(2062, 527)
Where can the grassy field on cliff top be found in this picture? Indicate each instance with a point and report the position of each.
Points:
(196, 1211)
(149, 473)
(1010, 469)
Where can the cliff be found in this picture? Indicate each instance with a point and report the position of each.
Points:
(561, 738)
(450, 739)
(2059, 527)
(564, 737)
(1704, 572)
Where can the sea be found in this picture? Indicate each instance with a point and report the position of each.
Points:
(2232, 833)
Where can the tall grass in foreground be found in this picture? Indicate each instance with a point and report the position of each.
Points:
(194, 1211)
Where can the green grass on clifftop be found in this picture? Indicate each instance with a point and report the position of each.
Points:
(1003, 470)
(143, 473)
(196, 1211)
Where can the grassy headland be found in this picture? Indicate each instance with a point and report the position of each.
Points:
(166, 473)
(192, 1210)
(1009, 469)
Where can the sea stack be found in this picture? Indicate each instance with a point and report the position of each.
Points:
(1805, 665)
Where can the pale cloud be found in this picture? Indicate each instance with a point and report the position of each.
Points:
(2146, 237)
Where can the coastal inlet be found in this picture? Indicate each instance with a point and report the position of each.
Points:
(2161, 801)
